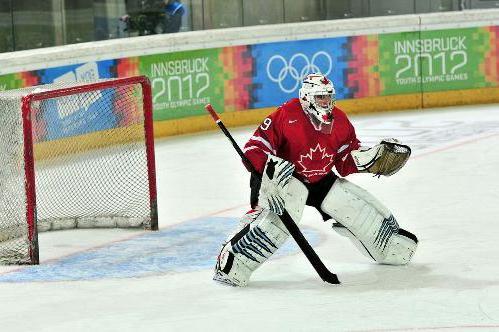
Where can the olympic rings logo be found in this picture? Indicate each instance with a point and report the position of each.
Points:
(291, 71)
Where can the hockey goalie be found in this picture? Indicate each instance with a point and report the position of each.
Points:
(303, 151)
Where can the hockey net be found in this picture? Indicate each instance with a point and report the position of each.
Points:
(75, 155)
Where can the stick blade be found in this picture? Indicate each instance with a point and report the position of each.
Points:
(330, 278)
(293, 229)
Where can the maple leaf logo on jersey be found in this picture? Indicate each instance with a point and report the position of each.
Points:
(317, 161)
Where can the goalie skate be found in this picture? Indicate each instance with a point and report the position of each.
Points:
(222, 278)
(261, 234)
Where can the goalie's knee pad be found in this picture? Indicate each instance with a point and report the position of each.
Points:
(369, 224)
(260, 235)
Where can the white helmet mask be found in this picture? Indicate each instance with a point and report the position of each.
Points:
(317, 98)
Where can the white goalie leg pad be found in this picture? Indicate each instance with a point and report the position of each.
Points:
(369, 224)
(295, 198)
(343, 231)
(261, 234)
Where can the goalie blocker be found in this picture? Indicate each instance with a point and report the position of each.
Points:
(357, 215)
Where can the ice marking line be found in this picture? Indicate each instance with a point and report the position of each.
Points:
(225, 210)
(433, 328)
(458, 144)
(190, 246)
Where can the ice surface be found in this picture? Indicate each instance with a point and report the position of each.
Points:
(124, 280)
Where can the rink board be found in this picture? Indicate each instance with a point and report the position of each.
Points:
(396, 62)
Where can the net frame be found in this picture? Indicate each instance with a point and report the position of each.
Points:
(29, 161)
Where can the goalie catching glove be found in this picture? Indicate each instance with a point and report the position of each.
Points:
(274, 184)
(385, 158)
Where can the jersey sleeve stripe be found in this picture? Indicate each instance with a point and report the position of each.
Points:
(264, 142)
(343, 147)
(253, 147)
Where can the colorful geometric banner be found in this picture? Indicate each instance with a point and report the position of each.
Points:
(490, 66)
(363, 78)
(18, 80)
(238, 68)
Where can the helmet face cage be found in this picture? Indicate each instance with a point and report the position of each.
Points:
(317, 97)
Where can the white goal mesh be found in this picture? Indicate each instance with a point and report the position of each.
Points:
(74, 156)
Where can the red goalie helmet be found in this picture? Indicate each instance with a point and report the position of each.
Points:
(317, 98)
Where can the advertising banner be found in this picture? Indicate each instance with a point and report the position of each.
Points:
(77, 115)
(245, 77)
(437, 60)
(183, 82)
(89, 71)
(280, 68)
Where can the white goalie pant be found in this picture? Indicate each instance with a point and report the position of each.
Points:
(261, 233)
(369, 224)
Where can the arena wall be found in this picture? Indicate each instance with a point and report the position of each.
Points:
(377, 64)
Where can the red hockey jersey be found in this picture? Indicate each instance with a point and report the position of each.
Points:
(288, 133)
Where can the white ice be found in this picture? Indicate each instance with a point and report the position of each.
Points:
(92, 280)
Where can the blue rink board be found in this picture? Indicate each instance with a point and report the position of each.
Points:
(190, 246)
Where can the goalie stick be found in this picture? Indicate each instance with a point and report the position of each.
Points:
(306, 248)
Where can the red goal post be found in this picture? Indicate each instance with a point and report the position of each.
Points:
(77, 155)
